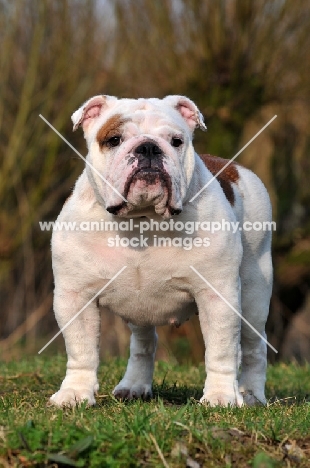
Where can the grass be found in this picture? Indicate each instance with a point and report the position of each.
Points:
(171, 430)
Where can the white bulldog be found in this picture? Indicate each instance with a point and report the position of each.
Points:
(143, 167)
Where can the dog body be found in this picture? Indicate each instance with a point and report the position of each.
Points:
(143, 150)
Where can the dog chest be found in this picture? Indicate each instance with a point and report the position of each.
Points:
(145, 296)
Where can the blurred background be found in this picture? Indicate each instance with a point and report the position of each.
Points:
(240, 61)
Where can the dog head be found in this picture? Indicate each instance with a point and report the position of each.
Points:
(141, 157)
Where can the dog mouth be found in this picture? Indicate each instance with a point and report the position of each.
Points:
(150, 176)
(147, 175)
(148, 186)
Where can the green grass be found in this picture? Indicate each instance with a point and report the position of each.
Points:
(172, 429)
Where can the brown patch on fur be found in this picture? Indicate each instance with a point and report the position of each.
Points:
(112, 127)
(226, 178)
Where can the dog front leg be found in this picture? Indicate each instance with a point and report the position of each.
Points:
(220, 327)
(82, 345)
(137, 381)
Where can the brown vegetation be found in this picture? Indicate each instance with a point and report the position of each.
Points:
(241, 62)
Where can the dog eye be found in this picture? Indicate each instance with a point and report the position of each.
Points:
(176, 142)
(114, 141)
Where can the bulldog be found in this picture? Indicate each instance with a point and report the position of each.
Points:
(142, 167)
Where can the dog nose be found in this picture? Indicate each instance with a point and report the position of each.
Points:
(148, 149)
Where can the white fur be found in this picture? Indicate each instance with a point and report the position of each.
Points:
(158, 286)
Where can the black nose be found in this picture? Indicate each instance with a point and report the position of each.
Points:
(148, 149)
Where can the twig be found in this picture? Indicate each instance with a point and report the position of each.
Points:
(160, 453)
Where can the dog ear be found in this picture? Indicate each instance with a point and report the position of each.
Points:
(188, 110)
(89, 111)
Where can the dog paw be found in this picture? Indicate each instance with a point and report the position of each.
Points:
(222, 399)
(252, 400)
(70, 397)
(131, 392)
